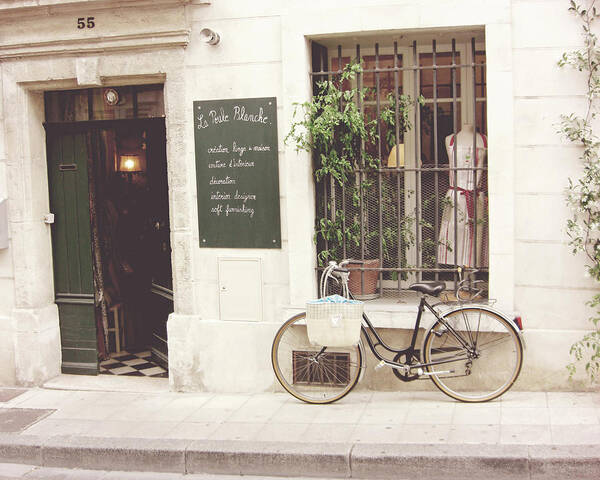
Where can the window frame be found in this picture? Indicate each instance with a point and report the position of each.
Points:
(409, 81)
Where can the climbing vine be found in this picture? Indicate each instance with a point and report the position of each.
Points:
(332, 127)
(583, 194)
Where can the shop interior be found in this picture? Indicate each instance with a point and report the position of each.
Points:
(132, 240)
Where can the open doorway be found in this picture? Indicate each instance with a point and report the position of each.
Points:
(112, 254)
(131, 203)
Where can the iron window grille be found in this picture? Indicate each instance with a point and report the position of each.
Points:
(415, 213)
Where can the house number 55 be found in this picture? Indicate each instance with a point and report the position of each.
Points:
(83, 22)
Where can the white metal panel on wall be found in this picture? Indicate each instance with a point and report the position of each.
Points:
(240, 289)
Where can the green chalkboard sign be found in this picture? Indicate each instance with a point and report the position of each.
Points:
(237, 173)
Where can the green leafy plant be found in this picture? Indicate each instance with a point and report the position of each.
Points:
(583, 194)
(336, 232)
(332, 127)
(388, 116)
(340, 135)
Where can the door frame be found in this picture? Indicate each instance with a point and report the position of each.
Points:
(34, 326)
(67, 302)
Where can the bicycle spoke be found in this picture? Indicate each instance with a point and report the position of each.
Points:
(442, 360)
(503, 339)
(313, 374)
(331, 375)
(457, 336)
(456, 341)
(292, 335)
(468, 327)
(480, 373)
(478, 327)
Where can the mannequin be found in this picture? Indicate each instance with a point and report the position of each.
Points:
(462, 188)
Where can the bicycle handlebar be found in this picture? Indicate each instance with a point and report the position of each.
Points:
(459, 269)
(337, 271)
(342, 270)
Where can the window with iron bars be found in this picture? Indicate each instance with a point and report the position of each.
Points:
(424, 213)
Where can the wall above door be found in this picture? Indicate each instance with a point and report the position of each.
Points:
(93, 26)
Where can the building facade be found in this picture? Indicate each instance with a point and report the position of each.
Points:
(228, 302)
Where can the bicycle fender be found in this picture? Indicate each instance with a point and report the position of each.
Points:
(363, 365)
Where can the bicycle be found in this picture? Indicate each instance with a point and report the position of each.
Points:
(472, 352)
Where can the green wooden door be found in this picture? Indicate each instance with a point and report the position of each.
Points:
(72, 251)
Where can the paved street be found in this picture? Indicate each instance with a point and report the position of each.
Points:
(554, 418)
(15, 471)
(176, 433)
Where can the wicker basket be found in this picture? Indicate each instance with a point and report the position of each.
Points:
(334, 324)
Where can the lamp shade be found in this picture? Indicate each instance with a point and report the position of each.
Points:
(392, 156)
(130, 163)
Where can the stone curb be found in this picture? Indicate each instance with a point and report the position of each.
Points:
(457, 462)
(269, 458)
(332, 460)
(124, 454)
(564, 462)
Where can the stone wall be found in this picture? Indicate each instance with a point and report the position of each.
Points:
(551, 287)
(59, 60)
(7, 289)
(264, 51)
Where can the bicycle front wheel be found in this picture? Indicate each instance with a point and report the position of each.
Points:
(313, 374)
(474, 354)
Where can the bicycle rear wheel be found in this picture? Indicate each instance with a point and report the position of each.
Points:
(311, 373)
(477, 354)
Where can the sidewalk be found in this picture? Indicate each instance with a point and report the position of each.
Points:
(365, 435)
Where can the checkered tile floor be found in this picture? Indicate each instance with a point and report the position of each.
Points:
(135, 364)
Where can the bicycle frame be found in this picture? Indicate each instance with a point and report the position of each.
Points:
(449, 339)
(374, 340)
(369, 331)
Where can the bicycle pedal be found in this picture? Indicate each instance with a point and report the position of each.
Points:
(380, 365)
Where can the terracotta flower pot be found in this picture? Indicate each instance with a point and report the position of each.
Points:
(364, 287)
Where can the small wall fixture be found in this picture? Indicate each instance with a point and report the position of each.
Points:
(111, 96)
(210, 37)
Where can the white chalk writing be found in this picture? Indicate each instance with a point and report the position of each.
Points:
(235, 209)
(222, 181)
(202, 123)
(217, 164)
(240, 163)
(244, 196)
(220, 195)
(261, 148)
(218, 149)
(239, 150)
(239, 114)
(218, 117)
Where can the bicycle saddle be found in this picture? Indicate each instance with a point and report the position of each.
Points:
(429, 288)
